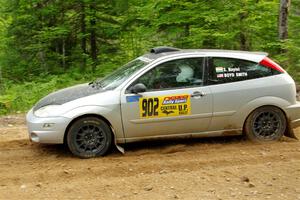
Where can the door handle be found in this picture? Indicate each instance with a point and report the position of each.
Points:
(198, 94)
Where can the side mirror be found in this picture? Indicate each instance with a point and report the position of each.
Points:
(138, 88)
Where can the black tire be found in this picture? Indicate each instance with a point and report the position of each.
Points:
(267, 123)
(89, 137)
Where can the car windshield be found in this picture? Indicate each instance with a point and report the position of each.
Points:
(115, 79)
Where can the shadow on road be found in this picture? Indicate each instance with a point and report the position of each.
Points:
(145, 147)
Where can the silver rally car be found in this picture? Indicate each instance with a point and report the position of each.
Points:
(171, 93)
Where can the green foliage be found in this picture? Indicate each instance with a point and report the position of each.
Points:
(20, 97)
(47, 45)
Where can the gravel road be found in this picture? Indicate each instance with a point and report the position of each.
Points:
(213, 168)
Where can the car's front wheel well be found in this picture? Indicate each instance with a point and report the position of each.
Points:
(84, 116)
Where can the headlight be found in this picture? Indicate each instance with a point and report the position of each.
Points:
(48, 111)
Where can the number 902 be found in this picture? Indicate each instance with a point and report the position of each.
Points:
(150, 107)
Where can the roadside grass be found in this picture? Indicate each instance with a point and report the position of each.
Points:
(20, 97)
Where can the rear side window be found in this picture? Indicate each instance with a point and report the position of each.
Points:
(226, 70)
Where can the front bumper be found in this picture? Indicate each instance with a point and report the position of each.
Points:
(46, 130)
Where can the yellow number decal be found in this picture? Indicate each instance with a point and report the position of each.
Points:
(165, 106)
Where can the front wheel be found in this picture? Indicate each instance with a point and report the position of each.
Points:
(89, 137)
(266, 123)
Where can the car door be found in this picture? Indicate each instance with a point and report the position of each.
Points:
(234, 83)
(175, 101)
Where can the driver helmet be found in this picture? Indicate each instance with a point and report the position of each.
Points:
(186, 73)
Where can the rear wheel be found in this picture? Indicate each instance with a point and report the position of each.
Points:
(89, 137)
(266, 123)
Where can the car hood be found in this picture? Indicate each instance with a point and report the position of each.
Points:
(68, 94)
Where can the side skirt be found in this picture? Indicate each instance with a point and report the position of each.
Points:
(228, 132)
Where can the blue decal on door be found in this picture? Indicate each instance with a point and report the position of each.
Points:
(131, 99)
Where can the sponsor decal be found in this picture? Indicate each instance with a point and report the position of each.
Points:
(233, 69)
(220, 75)
(175, 99)
(229, 69)
(220, 69)
(232, 75)
(165, 106)
(130, 99)
(229, 75)
(241, 74)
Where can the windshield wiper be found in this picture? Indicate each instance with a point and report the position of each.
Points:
(96, 84)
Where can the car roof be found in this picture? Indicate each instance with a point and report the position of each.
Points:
(172, 52)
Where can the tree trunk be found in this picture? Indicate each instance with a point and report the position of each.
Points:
(83, 39)
(93, 36)
(1, 84)
(64, 53)
(283, 19)
(186, 30)
(244, 43)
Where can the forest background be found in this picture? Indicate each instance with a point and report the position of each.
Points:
(46, 45)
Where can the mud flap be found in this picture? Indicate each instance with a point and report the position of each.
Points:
(121, 149)
(289, 132)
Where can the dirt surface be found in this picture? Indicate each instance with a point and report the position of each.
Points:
(215, 168)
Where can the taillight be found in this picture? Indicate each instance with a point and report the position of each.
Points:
(267, 62)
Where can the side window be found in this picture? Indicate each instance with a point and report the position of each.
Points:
(225, 70)
(173, 74)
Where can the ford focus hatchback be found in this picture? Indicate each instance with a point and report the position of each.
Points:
(171, 93)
